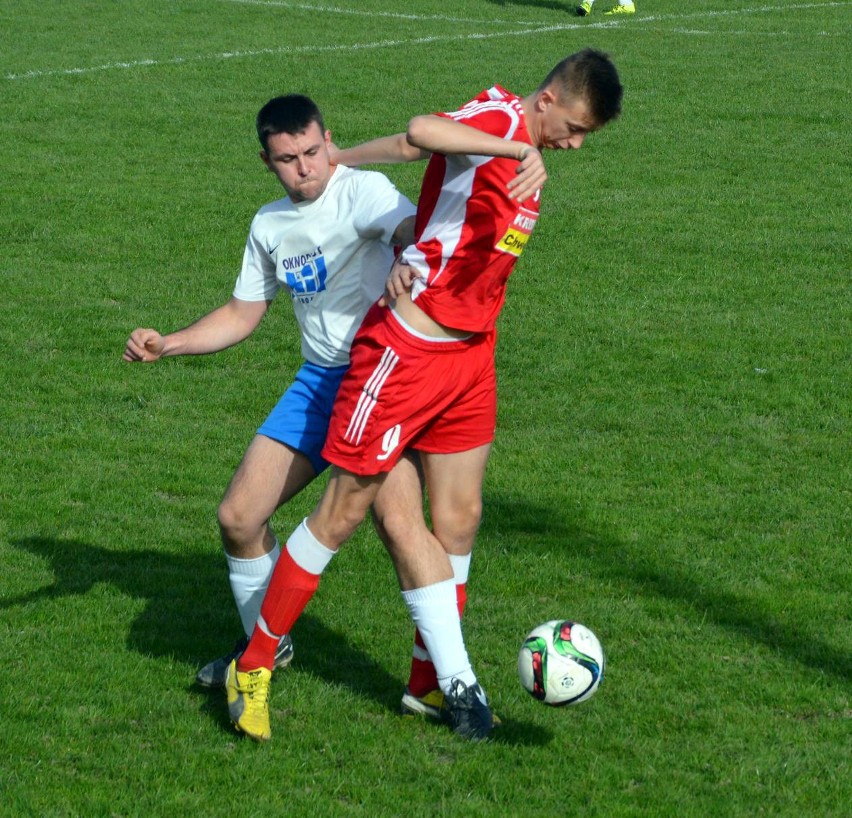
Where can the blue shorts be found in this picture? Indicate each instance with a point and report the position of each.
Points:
(300, 418)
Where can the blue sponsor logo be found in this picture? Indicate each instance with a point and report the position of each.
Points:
(309, 278)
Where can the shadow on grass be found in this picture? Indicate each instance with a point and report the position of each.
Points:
(188, 612)
(328, 655)
(333, 660)
(189, 616)
(642, 571)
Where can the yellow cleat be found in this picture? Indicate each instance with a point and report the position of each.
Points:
(628, 8)
(248, 700)
(584, 8)
(432, 705)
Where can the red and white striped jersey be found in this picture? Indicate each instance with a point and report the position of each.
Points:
(469, 234)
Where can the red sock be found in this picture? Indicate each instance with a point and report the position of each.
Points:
(290, 589)
(260, 651)
(422, 678)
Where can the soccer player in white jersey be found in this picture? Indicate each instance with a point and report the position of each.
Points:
(421, 371)
(328, 243)
(623, 7)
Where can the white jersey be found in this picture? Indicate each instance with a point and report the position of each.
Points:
(332, 254)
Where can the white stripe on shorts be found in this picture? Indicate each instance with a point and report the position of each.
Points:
(369, 396)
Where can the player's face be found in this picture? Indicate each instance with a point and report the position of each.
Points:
(300, 161)
(564, 124)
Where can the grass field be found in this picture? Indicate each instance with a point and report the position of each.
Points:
(672, 464)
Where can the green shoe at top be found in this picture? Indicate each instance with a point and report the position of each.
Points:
(629, 8)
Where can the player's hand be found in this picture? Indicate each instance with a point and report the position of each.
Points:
(399, 282)
(144, 345)
(531, 175)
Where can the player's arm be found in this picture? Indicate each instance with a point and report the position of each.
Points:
(403, 236)
(400, 280)
(439, 134)
(228, 325)
(401, 276)
(386, 150)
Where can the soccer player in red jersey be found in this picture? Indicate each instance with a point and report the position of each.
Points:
(421, 370)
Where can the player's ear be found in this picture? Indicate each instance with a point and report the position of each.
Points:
(264, 157)
(327, 137)
(545, 99)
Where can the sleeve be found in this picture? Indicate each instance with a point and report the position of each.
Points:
(494, 117)
(380, 207)
(257, 280)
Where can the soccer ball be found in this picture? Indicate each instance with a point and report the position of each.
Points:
(561, 662)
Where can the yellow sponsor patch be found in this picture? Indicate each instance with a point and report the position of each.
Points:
(513, 242)
(518, 233)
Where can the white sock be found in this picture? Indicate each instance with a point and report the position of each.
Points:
(249, 580)
(435, 613)
(461, 567)
(307, 551)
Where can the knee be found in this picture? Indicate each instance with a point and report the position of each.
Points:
(397, 524)
(456, 525)
(237, 527)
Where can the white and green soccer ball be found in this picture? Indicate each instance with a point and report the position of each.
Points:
(561, 662)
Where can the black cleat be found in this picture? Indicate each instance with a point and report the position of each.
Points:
(213, 674)
(468, 710)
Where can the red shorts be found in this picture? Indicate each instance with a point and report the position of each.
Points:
(403, 391)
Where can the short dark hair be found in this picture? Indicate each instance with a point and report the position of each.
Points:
(290, 114)
(589, 75)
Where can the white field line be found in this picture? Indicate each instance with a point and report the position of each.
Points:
(393, 14)
(306, 49)
(638, 22)
(698, 32)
